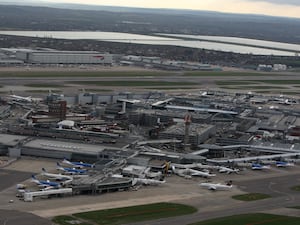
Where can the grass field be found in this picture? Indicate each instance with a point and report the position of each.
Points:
(294, 207)
(296, 188)
(42, 91)
(83, 73)
(263, 87)
(41, 85)
(128, 73)
(254, 87)
(227, 73)
(251, 197)
(133, 83)
(232, 82)
(98, 90)
(253, 219)
(280, 82)
(127, 214)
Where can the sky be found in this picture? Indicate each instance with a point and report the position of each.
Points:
(285, 8)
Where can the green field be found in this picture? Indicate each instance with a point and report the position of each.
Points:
(261, 87)
(228, 73)
(42, 85)
(251, 197)
(128, 214)
(98, 90)
(252, 219)
(83, 74)
(42, 91)
(294, 207)
(254, 88)
(133, 83)
(280, 82)
(230, 82)
(296, 188)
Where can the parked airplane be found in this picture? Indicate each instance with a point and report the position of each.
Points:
(24, 99)
(257, 166)
(200, 173)
(59, 177)
(46, 184)
(147, 181)
(78, 164)
(194, 165)
(218, 186)
(188, 173)
(284, 164)
(70, 170)
(223, 169)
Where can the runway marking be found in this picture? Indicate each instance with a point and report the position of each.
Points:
(289, 197)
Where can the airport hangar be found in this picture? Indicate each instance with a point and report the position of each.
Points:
(64, 57)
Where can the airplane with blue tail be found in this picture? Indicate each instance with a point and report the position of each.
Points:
(55, 176)
(257, 166)
(78, 164)
(284, 164)
(71, 170)
(45, 183)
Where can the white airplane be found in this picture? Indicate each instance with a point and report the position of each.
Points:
(46, 184)
(183, 166)
(59, 177)
(25, 99)
(284, 164)
(71, 170)
(78, 164)
(200, 173)
(223, 169)
(181, 172)
(257, 166)
(147, 181)
(188, 173)
(194, 165)
(218, 186)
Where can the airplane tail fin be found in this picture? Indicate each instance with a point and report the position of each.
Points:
(44, 170)
(65, 160)
(58, 165)
(33, 179)
(173, 169)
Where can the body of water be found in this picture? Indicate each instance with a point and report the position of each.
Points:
(218, 43)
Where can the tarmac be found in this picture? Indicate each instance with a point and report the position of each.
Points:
(276, 182)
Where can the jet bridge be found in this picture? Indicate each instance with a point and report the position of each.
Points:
(28, 196)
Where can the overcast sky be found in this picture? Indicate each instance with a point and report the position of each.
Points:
(287, 8)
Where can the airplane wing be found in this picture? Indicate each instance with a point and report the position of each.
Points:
(212, 188)
(47, 188)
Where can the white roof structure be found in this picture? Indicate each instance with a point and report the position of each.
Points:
(66, 123)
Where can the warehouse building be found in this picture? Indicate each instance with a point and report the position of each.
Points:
(64, 57)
